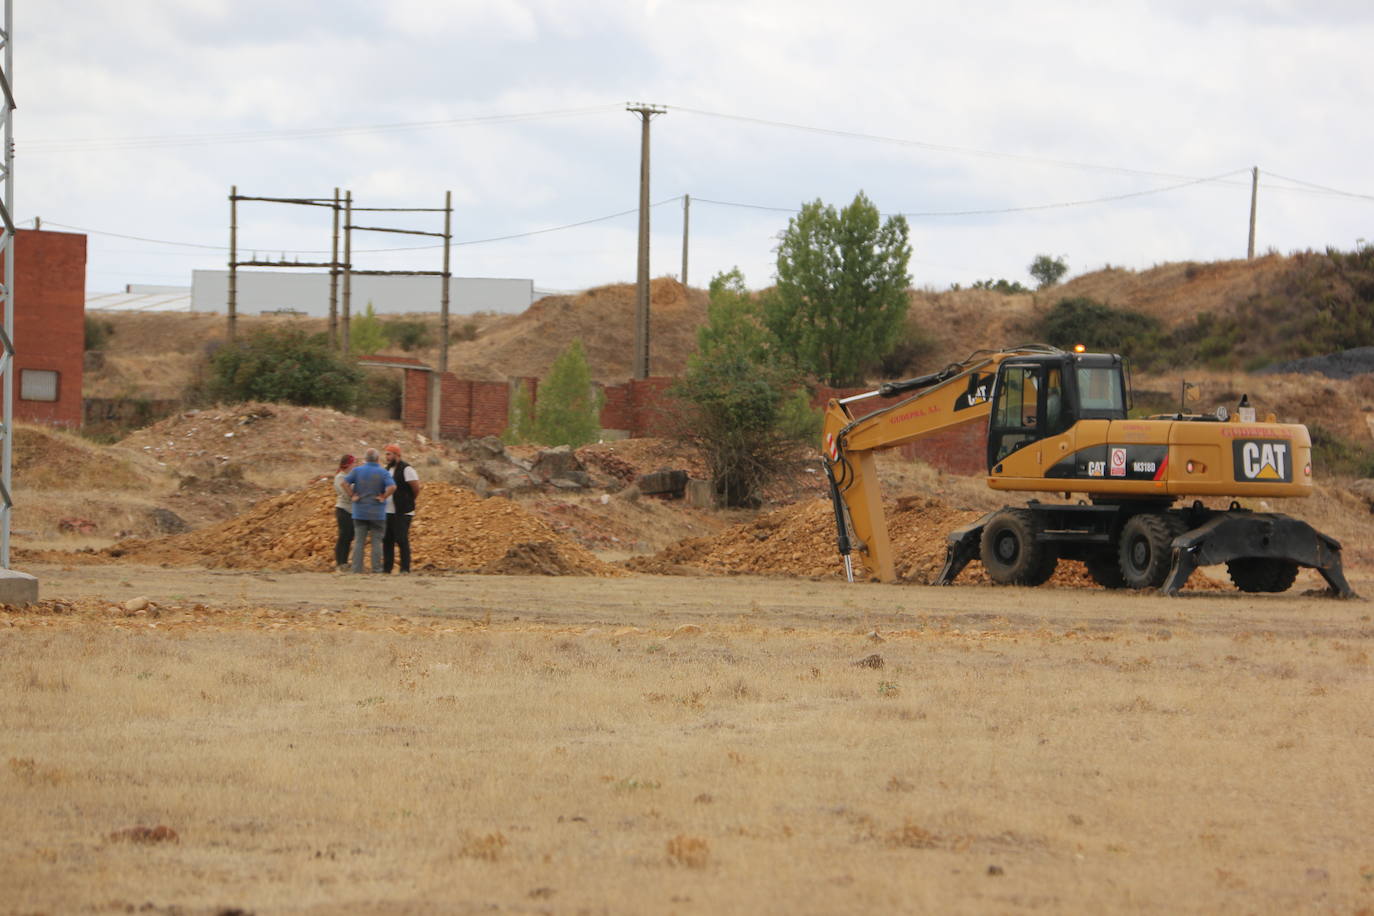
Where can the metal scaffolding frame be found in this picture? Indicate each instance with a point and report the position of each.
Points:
(7, 288)
(334, 264)
(435, 378)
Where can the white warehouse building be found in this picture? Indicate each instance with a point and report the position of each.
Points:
(272, 291)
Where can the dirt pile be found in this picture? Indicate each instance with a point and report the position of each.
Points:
(454, 529)
(799, 540)
(46, 459)
(269, 437)
(602, 318)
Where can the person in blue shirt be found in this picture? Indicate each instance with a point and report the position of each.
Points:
(369, 486)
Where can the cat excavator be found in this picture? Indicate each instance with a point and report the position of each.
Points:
(1057, 423)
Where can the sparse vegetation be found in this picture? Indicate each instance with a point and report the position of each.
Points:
(1101, 328)
(98, 332)
(407, 333)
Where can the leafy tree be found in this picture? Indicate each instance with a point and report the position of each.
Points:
(520, 429)
(284, 364)
(569, 407)
(1047, 270)
(841, 291)
(735, 397)
(366, 334)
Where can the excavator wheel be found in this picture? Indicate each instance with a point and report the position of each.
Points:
(1105, 569)
(1146, 548)
(1257, 574)
(1010, 553)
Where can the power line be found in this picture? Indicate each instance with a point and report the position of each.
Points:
(992, 211)
(1317, 187)
(497, 238)
(93, 144)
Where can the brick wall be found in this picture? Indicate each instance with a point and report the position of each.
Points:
(644, 407)
(49, 321)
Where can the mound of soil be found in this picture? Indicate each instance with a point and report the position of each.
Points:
(46, 459)
(799, 540)
(269, 437)
(454, 529)
(602, 318)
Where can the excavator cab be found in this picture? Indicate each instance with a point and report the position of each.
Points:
(1041, 396)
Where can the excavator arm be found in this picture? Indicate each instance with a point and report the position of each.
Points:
(924, 406)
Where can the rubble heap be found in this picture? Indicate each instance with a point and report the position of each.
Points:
(454, 529)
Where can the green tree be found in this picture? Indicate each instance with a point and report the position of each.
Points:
(1047, 270)
(366, 335)
(736, 409)
(842, 286)
(284, 364)
(520, 429)
(569, 408)
(407, 333)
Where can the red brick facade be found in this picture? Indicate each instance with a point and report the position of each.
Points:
(49, 325)
(644, 407)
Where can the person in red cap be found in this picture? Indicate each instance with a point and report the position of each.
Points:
(343, 514)
(400, 510)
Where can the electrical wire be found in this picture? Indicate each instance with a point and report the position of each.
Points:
(93, 144)
(498, 238)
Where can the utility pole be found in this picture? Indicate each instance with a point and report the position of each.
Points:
(436, 379)
(347, 272)
(646, 114)
(686, 220)
(334, 279)
(1254, 199)
(233, 304)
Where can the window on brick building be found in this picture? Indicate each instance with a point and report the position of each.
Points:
(38, 384)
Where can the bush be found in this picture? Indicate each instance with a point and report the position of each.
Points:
(286, 365)
(98, 332)
(365, 334)
(407, 333)
(1005, 287)
(913, 345)
(381, 389)
(1101, 328)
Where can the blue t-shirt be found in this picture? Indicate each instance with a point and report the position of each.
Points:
(369, 481)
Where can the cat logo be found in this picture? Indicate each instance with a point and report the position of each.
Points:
(1262, 459)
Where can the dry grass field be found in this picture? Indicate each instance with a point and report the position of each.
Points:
(314, 743)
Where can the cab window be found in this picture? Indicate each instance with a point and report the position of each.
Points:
(1099, 390)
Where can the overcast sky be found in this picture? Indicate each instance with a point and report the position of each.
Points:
(1103, 132)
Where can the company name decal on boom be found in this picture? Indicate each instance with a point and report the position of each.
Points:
(1262, 459)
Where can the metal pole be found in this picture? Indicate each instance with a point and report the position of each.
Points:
(334, 279)
(233, 261)
(347, 271)
(436, 379)
(7, 241)
(1254, 200)
(686, 221)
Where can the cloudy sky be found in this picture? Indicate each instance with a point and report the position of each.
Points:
(1104, 132)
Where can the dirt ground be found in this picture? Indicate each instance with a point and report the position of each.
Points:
(308, 742)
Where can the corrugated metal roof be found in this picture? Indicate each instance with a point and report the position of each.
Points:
(165, 299)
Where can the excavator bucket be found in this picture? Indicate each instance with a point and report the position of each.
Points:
(1259, 535)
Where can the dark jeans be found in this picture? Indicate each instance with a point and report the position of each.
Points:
(397, 535)
(344, 518)
(361, 529)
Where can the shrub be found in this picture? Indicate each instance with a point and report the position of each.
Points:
(365, 334)
(407, 333)
(286, 365)
(98, 332)
(1101, 328)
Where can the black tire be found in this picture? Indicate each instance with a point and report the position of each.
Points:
(1010, 553)
(1105, 569)
(1145, 551)
(1257, 574)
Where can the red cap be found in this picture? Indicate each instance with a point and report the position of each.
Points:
(393, 448)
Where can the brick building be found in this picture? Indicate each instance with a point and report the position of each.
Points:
(49, 325)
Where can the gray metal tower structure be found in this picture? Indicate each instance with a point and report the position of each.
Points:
(7, 288)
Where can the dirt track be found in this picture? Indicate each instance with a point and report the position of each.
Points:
(663, 602)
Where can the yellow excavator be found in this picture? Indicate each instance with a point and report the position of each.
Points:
(1057, 422)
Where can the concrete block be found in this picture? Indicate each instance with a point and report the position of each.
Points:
(17, 588)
